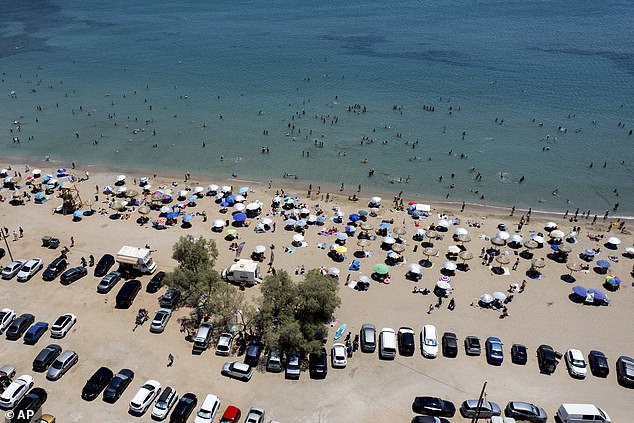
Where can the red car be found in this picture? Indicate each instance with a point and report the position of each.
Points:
(232, 415)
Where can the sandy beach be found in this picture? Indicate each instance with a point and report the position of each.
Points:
(368, 389)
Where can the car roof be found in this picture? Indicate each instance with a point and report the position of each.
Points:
(65, 355)
(626, 359)
(575, 353)
(243, 367)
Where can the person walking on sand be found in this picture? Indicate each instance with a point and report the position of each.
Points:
(523, 286)
(430, 309)
(72, 241)
(517, 263)
(170, 360)
(21, 232)
(15, 235)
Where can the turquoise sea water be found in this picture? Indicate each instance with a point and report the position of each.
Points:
(176, 67)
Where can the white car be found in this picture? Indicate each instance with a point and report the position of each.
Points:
(144, 397)
(164, 403)
(338, 355)
(224, 344)
(208, 410)
(12, 269)
(6, 317)
(15, 391)
(429, 341)
(29, 269)
(576, 364)
(160, 320)
(62, 325)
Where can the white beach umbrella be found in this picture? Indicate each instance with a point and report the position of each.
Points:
(499, 295)
(147, 188)
(415, 268)
(389, 240)
(120, 178)
(198, 190)
(516, 238)
(218, 223)
(259, 249)
(253, 206)
(375, 200)
(557, 234)
(266, 220)
(342, 236)
(239, 206)
(503, 235)
(339, 213)
(422, 207)
(461, 231)
(443, 223)
(334, 271)
(36, 172)
(629, 250)
(311, 218)
(538, 239)
(304, 211)
(239, 198)
(182, 194)
(225, 189)
(450, 265)
(443, 285)
(613, 240)
(212, 188)
(165, 209)
(550, 225)
(298, 238)
(453, 249)
(121, 190)
(364, 279)
(486, 298)
(277, 199)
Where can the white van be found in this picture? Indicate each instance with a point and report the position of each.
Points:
(203, 336)
(387, 344)
(581, 413)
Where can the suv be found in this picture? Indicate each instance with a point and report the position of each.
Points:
(184, 408)
(72, 275)
(46, 357)
(546, 359)
(104, 265)
(208, 410)
(164, 403)
(127, 293)
(274, 361)
(170, 298)
(203, 335)
(318, 364)
(54, 269)
(252, 355)
(368, 338)
(108, 282)
(223, 347)
(293, 366)
(155, 283)
(625, 371)
(60, 366)
(97, 383)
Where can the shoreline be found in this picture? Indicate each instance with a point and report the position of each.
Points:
(438, 206)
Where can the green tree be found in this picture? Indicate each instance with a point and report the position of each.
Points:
(195, 253)
(317, 298)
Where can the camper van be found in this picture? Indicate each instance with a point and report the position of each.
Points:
(243, 271)
(581, 413)
(136, 259)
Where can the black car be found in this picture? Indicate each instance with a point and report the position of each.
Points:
(546, 359)
(449, 345)
(184, 408)
(625, 371)
(170, 298)
(318, 364)
(117, 385)
(54, 269)
(19, 326)
(525, 411)
(428, 419)
(104, 265)
(46, 357)
(155, 283)
(406, 342)
(127, 293)
(252, 354)
(108, 282)
(28, 405)
(598, 363)
(433, 406)
(97, 383)
(72, 275)
(519, 354)
(472, 345)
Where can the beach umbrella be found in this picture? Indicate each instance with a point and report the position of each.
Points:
(212, 188)
(165, 209)
(613, 280)
(486, 298)
(198, 189)
(443, 285)
(362, 213)
(239, 217)
(182, 194)
(389, 240)
(613, 240)
(399, 248)
(604, 264)
(362, 243)
(564, 248)
(266, 220)
(231, 232)
(589, 252)
(375, 200)
(367, 226)
(340, 249)
(218, 223)
(239, 207)
(422, 208)
(573, 267)
(166, 197)
(290, 222)
(144, 210)
(161, 221)
(393, 255)
(430, 252)
(172, 215)
(239, 198)
(384, 225)
(415, 268)
(354, 217)
(334, 271)
(364, 279)
(531, 244)
(444, 278)
(465, 255)
(557, 234)
(515, 238)
(453, 249)
(538, 263)
(243, 190)
(188, 218)
(463, 238)
(598, 294)
(503, 235)
(538, 239)
(550, 225)
(443, 223)
(78, 213)
(342, 236)
(350, 229)
(253, 206)
(225, 189)
(580, 290)
(381, 269)
(431, 234)
(497, 241)
(119, 205)
(298, 238)
(501, 296)
(131, 193)
(119, 178)
(450, 265)
(62, 171)
(300, 223)
(629, 250)
(36, 173)
(147, 188)
(259, 249)
(192, 199)
(400, 231)
(503, 259)
(40, 196)
(460, 231)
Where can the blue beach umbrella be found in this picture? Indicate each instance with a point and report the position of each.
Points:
(230, 199)
(61, 171)
(598, 294)
(589, 252)
(243, 190)
(188, 218)
(39, 196)
(354, 217)
(239, 217)
(604, 264)
(172, 215)
(78, 213)
(363, 213)
(384, 225)
(580, 290)
(192, 198)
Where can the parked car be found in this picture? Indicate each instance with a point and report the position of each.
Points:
(164, 403)
(62, 325)
(576, 364)
(144, 397)
(117, 385)
(35, 332)
(231, 415)
(274, 361)
(429, 419)
(256, 415)
(108, 282)
(29, 405)
(46, 357)
(338, 356)
(318, 364)
(519, 354)
(19, 325)
(127, 293)
(202, 337)
(72, 275)
(433, 406)
(494, 352)
(103, 265)
(29, 269)
(97, 383)
(598, 363)
(62, 363)
(237, 370)
(15, 391)
(488, 409)
(55, 268)
(368, 338)
(7, 370)
(293, 366)
(46, 418)
(155, 283)
(472, 345)
(12, 269)
(387, 344)
(208, 409)
(223, 347)
(625, 371)
(429, 341)
(252, 354)
(406, 343)
(160, 320)
(546, 359)
(6, 318)
(525, 411)
(184, 408)
(170, 298)
(449, 345)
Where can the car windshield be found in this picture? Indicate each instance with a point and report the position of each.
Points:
(431, 342)
(60, 321)
(57, 365)
(204, 414)
(161, 405)
(579, 363)
(116, 382)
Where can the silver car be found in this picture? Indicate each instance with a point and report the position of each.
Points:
(108, 282)
(12, 269)
(487, 409)
(160, 320)
(60, 366)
